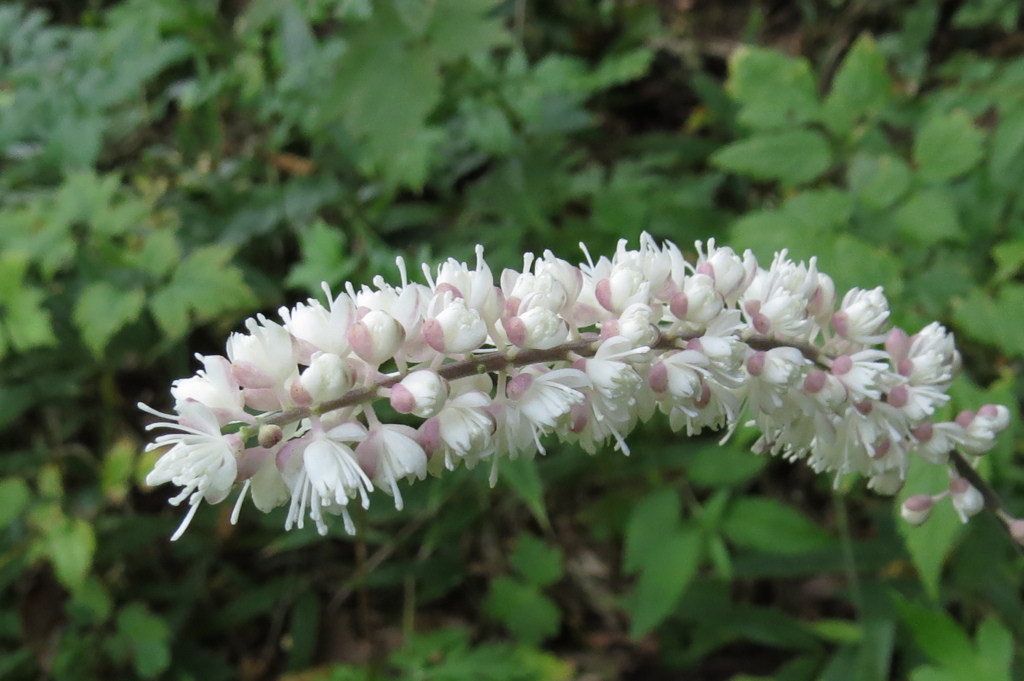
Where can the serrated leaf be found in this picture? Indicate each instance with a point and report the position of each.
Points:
(26, 321)
(1005, 166)
(930, 544)
(616, 69)
(324, 258)
(928, 216)
(204, 284)
(655, 517)
(946, 146)
(102, 310)
(861, 87)
(773, 89)
(459, 28)
(539, 563)
(770, 526)
(528, 614)
(159, 254)
(670, 567)
(793, 157)
(878, 181)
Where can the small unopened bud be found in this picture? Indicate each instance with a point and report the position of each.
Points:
(421, 393)
(456, 329)
(967, 500)
(269, 435)
(376, 337)
(916, 509)
(326, 378)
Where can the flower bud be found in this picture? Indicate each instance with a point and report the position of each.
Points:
(916, 509)
(862, 317)
(326, 378)
(269, 435)
(376, 337)
(1016, 528)
(967, 500)
(456, 329)
(421, 393)
(637, 323)
(537, 327)
(703, 302)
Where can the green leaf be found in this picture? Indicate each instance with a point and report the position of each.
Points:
(616, 69)
(946, 146)
(539, 563)
(204, 284)
(994, 320)
(324, 258)
(149, 639)
(26, 322)
(928, 216)
(770, 526)
(1009, 257)
(521, 475)
(159, 253)
(1005, 166)
(102, 310)
(14, 498)
(938, 635)
(70, 546)
(118, 466)
(793, 157)
(861, 87)
(529, 615)
(459, 28)
(655, 517)
(773, 90)
(995, 650)
(929, 544)
(670, 567)
(878, 181)
(724, 466)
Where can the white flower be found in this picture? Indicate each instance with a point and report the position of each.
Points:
(465, 427)
(967, 500)
(862, 316)
(266, 357)
(545, 398)
(392, 452)
(475, 286)
(865, 374)
(638, 323)
(201, 460)
(980, 429)
(916, 509)
(772, 373)
(731, 274)
(623, 287)
(320, 328)
(214, 386)
(537, 327)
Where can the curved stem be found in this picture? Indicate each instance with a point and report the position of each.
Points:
(992, 501)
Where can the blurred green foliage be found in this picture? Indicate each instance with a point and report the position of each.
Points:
(172, 166)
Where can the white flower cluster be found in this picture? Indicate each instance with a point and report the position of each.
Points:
(480, 368)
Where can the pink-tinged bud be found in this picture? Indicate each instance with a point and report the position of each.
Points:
(964, 418)
(249, 375)
(695, 344)
(706, 269)
(755, 365)
(603, 293)
(989, 411)
(658, 377)
(429, 435)
(865, 407)
(679, 305)
(422, 393)
(269, 435)
(762, 324)
(897, 344)
(899, 396)
(924, 432)
(815, 381)
(511, 306)
(638, 323)
(842, 365)
(456, 329)
(881, 448)
(518, 385)
(823, 300)
(580, 364)
(1016, 528)
(537, 327)
(515, 329)
(376, 337)
(916, 509)
(841, 324)
(609, 329)
(905, 367)
(752, 307)
(967, 500)
(300, 396)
